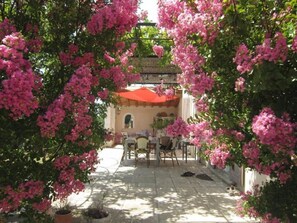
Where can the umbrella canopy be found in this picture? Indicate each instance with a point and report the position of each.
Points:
(148, 96)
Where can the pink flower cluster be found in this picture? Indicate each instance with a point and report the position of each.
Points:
(103, 95)
(181, 20)
(201, 83)
(278, 135)
(275, 132)
(17, 90)
(251, 151)
(202, 133)
(109, 136)
(245, 59)
(277, 167)
(159, 89)
(242, 208)
(42, 206)
(178, 128)
(120, 73)
(35, 43)
(201, 105)
(187, 57)
(219, 156)
(119, 77)
(158, 50)
(239, 136)
(120, 15)
(109, 58)
(168, 12)
(273, 54)
(74, 100)
(67, 182)
(26, 191)
(72, 58)
(169, 92)
(240, 84)
(143, 15)
(6, 28)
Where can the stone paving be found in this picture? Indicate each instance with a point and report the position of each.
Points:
(156, 194)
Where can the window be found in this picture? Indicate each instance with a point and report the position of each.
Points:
(128, 121)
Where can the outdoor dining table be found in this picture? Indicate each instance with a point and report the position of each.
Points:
(153, 142)
(185, 143)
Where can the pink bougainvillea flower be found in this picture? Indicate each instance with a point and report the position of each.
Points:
(109, 58)
(158, 50)
(178, 128)
(240, 84)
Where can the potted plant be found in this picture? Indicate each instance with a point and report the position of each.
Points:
(159, 124)
(64, 213)
(96, 213)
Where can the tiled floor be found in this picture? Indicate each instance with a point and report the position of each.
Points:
(156, 194)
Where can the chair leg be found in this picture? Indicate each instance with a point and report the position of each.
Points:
(148, 159)
(176, 158)
(136, 158)
(172, 158)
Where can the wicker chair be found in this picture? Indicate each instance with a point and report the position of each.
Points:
(141, 147)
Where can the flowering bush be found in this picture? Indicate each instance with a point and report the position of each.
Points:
(178, 128)
(238, 59)
(59, 61)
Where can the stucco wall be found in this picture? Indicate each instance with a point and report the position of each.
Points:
(109, 122)
(142, 117)
(253, 178)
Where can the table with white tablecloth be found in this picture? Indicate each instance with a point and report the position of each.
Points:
(185, 143)
(153, 142)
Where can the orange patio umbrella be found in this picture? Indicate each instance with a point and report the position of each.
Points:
(144, 94)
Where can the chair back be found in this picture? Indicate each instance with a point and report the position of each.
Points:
(164, 140)
(173, 144)
(141, 142)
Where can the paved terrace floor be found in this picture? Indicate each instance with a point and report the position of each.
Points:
(157, 194)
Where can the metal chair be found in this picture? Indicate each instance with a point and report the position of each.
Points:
(164, 140)
(141, 147)
(169, 151)
(129, 145)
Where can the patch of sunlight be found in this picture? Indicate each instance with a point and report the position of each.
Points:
(135, 207)
(125, 169)
(198, 218)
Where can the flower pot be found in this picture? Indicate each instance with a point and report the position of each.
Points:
(100, 220)
(63, 216)
(97, 215)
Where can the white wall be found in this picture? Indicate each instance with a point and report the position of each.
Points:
(109, 122)
(186, 106)
(253, 178)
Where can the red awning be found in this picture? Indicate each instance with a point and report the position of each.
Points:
(145, 95)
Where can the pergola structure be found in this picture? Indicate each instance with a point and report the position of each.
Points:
(151, 70)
